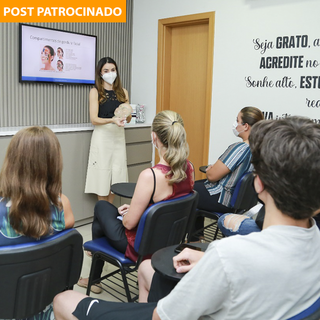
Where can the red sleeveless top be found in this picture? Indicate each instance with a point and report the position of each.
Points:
(178, 190)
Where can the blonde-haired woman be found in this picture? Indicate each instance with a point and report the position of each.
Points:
(172, 177)
(31, 203)
(222, 178)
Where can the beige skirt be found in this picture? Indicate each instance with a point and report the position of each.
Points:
(107, 159)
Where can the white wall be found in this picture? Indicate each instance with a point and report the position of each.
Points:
(237, 23)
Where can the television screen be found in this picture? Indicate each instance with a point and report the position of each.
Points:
(56, 56)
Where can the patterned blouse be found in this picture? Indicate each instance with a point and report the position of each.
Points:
(237, 158)
(8, 236)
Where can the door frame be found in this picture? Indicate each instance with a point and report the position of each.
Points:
(164, 59)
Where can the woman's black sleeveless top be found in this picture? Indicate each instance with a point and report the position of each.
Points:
(107, 107)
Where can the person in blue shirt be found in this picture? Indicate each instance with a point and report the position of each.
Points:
(216, 190)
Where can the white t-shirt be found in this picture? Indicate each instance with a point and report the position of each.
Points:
(272, 274)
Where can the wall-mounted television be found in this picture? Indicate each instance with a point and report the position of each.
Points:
(56, 56)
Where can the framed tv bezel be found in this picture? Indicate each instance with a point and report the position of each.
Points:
(56, 79)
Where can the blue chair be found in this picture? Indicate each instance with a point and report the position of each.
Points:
(31, 274)
(161, 225)
(312, 313)
(243, 198)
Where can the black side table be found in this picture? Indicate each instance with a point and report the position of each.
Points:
(162, 263)
(124, 189)
(203, 169)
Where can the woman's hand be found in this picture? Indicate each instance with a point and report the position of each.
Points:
(119, 121)
(186, 260)
(122, 210)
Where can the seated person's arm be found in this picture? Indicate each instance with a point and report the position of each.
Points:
(68, 214)
(205, 286)
(140, 199)
(183, 262)
(193, 177)
(186, 260)
(217, 171)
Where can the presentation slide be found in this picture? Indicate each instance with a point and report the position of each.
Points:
(49, 55)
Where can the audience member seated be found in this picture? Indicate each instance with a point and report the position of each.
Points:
(172, 177)
(216, 191)
(31, 203)
(272, 274)
(146, 272)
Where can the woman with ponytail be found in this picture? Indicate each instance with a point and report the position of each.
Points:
(172, 177)
(223, 175)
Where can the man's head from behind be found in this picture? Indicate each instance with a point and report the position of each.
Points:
(286, 156)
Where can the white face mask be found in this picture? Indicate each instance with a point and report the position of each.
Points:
(234, 129)
(109, 77)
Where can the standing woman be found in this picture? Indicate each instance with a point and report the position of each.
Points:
(107, 159)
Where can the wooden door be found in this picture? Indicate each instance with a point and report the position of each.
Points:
(184, 84)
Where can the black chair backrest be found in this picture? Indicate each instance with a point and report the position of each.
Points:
(31, 274)
(245, 196)
(166, 223)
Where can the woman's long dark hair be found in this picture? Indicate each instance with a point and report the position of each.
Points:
(117, 86)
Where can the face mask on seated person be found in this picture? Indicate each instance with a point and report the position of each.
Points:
(234, 129)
